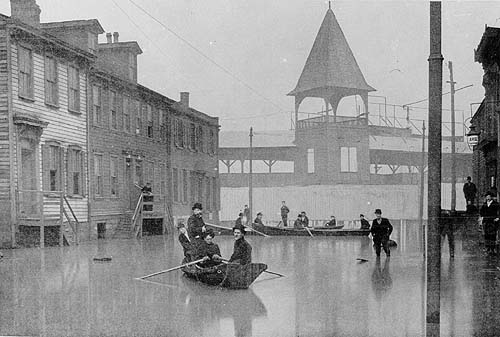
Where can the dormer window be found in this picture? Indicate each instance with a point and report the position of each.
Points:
(92, 42)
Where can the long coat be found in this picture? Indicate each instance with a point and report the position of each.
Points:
(242, 252)
(381, 230)
(195, 226)
(489, 214)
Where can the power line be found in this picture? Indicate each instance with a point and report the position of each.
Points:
(207, 57)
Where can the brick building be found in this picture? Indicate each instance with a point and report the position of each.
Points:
(79, 125)
(485, 120)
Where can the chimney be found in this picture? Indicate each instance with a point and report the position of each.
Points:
(115, 37)
(108, 37)
(27, 11)
(185, 99)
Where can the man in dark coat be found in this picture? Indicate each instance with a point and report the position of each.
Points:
(258, 220)
(470, 191)
(305, 219)
(332, 222)
(196, 225)
(490, 213)
(239, 220)
(208, 250)
(284, 213)
(381, 231)
(364, 223)
(242, 252)
(246, 215)
(299, 223)
(446, 228)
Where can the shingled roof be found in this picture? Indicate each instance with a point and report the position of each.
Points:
(331, 63)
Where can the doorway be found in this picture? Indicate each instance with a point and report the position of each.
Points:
(28, 178)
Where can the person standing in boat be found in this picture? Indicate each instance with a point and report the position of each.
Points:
(258, 219)
(381, 231)
(196, 225)
(208, 250)
(364, 223)
(247, 217)
(242, 252)
(284, 213)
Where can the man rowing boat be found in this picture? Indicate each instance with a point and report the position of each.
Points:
(208, 250)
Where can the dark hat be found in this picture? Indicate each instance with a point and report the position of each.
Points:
(241, 228)
(303, 212)
(240, 214)
(209, 232)
(260, 213)
(361, 215)
(469, 178)
(378, 211)
(197, 205)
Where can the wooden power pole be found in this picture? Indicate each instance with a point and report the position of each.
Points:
(453, 149)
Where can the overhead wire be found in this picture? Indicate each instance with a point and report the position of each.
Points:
(200, 52)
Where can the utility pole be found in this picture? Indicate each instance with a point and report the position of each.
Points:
(422, 176)
(433, 255)
(250, 181)
(453, 149)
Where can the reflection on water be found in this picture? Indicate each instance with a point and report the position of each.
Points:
(326, 292)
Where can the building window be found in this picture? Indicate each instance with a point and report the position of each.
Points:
(163, 180)
(208, 194)
(192, 136)
(113, 110)
(25, 60)
(92, 41)
(98, 175)
(51, 90)
(138, 119)
(348, 159)
(52, 167)
(214, 192)
(138, 173)
(201, 142)
(179, 133)
(73, 89)
(184, 186)
(96, 105)
(163, 125)
(132, 67)
(126, 114)
(114, 176)
(175, 183)
(75, 172)
(310, 160)
(192, 184)
(150, 121)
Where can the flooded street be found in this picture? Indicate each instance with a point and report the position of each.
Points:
(326, 292)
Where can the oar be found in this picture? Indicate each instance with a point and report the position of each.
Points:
(250, 228)
(307, 229)
(265, 271)
(171, 269)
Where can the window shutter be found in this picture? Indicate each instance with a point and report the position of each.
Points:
(60, 166)
(45, 167)
(83, 168)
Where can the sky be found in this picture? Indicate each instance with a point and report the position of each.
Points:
(239, 59)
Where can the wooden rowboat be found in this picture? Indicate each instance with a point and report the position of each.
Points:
(328, 227)
(290, 231)
(227, 275)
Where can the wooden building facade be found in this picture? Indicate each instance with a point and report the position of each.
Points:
(79, 138)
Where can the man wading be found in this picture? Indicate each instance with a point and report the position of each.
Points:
(381, 230)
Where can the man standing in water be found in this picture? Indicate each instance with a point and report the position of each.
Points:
(242, 252)
(490, 212)
(381, 231)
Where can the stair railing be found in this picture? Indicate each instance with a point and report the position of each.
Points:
(137, 229)
(75, 229)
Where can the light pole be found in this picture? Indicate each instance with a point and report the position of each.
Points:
(453, 161)
(433, 255)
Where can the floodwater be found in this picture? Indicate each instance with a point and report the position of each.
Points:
(325, 291)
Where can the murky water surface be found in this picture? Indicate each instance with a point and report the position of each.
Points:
(326, 291)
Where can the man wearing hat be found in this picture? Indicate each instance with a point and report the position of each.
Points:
(364, 223)
(258, 220)
(196, 225)
(381, 231)
(242, 252)
(185, 241)
(490, 214)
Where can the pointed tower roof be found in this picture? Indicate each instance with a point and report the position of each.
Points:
(331, 64)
